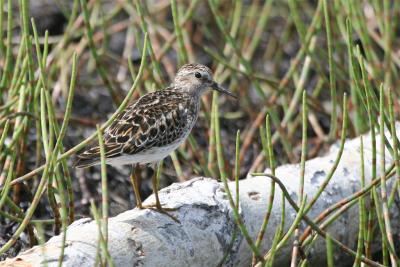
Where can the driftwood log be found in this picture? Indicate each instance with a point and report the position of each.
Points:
(147, 238)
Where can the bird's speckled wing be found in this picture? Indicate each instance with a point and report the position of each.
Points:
(154, 120)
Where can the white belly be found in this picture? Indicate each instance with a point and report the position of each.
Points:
(152, 155)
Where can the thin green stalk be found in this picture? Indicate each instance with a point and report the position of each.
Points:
(354, 81)
(394, 138)
(43, 121)
(177, 165)
(45, 48)
(18, 68)
(102, 241)
(48, 142)
(231, 41)
(211, 142)
(299, 87)
(154, 61)
(182, 54)
(186, 17)
(103, 73)
(64, 215)
(41, 240)
(270, 261)
(368, 92)
(105, 125)
(338, 157)
(362, 211)
(260, 28)
(28, 42)
(7, 183)
(19, 125)
(50, 163)
(29, 213)
(237, 167)
(282, 241)
(332, 76)
(4, 134)
(385, 209)
(329, 251)
(8, 57)
(303, 147)
(297, 20)
(221, 166)
(248, 69)
(63, 130)
(43, 76)
(60, 133)
(201, 155)
(310, 221)
(388, 41)
(2, 46)
(104, 188)
(268, 151)
(220, 153)
(381, 224)
(19, 219)
(339, 207)
(295, 250)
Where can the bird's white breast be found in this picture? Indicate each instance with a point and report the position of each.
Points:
(151, 155)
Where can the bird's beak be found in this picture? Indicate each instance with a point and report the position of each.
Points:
(215, 86)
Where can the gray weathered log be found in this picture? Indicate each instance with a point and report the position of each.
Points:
(147, 238)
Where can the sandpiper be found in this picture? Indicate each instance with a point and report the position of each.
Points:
(152, 127)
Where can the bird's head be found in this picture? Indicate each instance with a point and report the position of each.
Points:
(196, 79)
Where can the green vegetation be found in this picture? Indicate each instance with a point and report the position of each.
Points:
(308, 73)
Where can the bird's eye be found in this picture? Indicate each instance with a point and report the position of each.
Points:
(197, 75)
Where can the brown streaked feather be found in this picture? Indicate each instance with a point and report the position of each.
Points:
(154, 120)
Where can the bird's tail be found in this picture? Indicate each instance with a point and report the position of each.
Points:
(85, 163)
(88, 158)
(91, 156)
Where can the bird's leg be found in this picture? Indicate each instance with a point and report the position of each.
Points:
(157, 206)
(135, 184)
(154, 182)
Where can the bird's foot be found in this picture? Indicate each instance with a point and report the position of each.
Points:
(158, 207)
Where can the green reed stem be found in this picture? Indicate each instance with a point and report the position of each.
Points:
(337, 160)
(311, 223)
(104, 188)
(102, 240)
(24, 4)
(329, 251)
(362, 210)
(394, 138)
(8, 57)
(154, 61)
(295, 250)
(221, 165)
(100, 67)
(182, 54)
(282, 241)
(2, 45)
(332, 76)
(105, 125)
(385, 209)
(220, 152)
(266, 141)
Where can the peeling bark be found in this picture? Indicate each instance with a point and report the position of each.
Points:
(204, 236)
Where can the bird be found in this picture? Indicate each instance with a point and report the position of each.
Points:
(152, 127)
